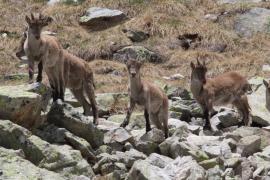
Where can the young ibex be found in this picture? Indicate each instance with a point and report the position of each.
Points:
(62, 68)
(267, 94)
(153, 99)
(228, 88)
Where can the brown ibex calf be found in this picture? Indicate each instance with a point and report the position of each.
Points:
(228, 88)
(153, 99)
(62, 68)
(267, 94)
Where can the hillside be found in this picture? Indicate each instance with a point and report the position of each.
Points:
(168, 20)
(54, 140)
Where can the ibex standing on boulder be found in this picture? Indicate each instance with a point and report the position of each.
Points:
(228, 88)
(31, 62)
(62, 68)
(153, 99)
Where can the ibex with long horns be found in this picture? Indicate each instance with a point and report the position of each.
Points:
(63, 69)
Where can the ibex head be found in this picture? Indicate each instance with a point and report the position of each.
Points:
(35, 24)
(198, 71)
(133, 67)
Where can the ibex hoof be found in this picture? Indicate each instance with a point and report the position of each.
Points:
(95, 122)
(124, 124)
(148, 129)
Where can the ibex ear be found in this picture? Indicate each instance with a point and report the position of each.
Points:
(27, 19)
(192, 65)
(265, 83)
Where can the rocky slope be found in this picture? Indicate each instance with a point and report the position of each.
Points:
(64, 144)
(44, 140)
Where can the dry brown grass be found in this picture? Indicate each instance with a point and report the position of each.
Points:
(168, 19)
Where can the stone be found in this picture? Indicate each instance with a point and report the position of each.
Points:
(185, 168)
(73, 2)
(97, 18)
(253, 21)
(249, 145)
(147, 147)
(58, 158)
(266, 68)
(143, 170)
(129, 157)
(155, 135)
(211, 17)
(137, 120)
(111, 176)
(53, 134)
(22, 104)
(105, 125)
(246, 170)
(226, 118)
(104, 149)
(238, 1)
(18, 76)
(14, 166)
(173, 91)
(207, 164)
(139, 53)
(64, 115)
(232, 162)
(212, 150)
(118, 161)
(159, 160)
(117, 138)
(202, 140)
(174, 77)
(260, 113)
(214, 173)
(135, 35)
(180, 168)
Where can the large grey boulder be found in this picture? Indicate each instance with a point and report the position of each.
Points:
(14, 166)
(257, 101)
(61, 159)
(64, 115)
(253, 21)
(226, 118)
(100, 18)
(137, 52)
(22, 104)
